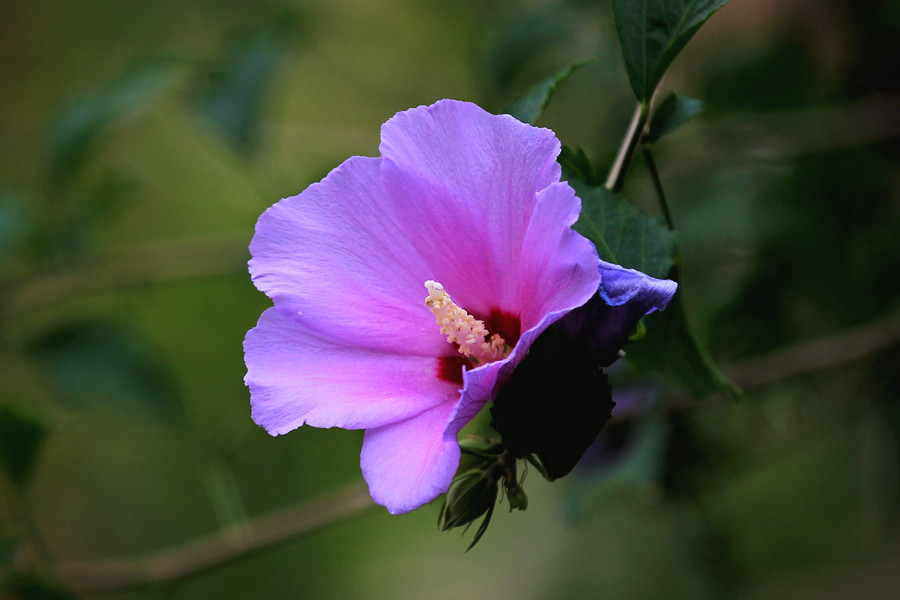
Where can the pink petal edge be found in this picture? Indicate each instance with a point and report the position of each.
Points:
(410, 463)
(296, 378)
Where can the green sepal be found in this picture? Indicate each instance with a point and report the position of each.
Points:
(471, 495)
(516, 496)
(482, 528)
(481, 447)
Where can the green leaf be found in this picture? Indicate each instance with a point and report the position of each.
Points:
(637, 464)
(30, 586)
(671, 346)
(530, 105)
(673, 112)
(643, 464)
(14, 223)
(75, 132)
(523, 37)
(576, 165)
(622, 233)
(7, 554)
(21, 440)
(653, 32)
(554, 404)
(94, 362)
(627, 236)
(111, 194)
(233, 90)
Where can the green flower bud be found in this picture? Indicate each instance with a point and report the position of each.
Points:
(516, 496)
(471, 495)
(481, 447)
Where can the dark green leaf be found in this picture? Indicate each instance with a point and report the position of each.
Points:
(524, 37)
(637, 465)
(625, 235)
(643, 464)
(14, 223)
(671, 347)
(7, 554)
(530, 105)
(653, 32)
(28, 586)
(576, 165)
(233, 92)
(21, 440)
(97, 362)
(638, 462)
(673, 112)
(692, 457)
(622, 233)
(75, 131)
(110, 195)
(554, 404)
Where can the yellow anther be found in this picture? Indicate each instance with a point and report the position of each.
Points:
(463, 329)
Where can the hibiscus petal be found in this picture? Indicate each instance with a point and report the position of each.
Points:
(558, 268)
(463, 197)
(410, 463)
(333, 259)
(465, 182)
(297, 377)
(625, 296)
(620, 286)
(557, 273)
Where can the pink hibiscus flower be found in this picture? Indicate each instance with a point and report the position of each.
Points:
(464, 209)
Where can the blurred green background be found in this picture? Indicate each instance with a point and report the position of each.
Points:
(140, 142)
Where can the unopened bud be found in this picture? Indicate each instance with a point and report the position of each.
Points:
(516, 496)
(471, 495)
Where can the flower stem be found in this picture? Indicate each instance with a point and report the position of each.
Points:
(173, 565)
(37, 551)
(657, 185)
(616, 176)
(225, 496)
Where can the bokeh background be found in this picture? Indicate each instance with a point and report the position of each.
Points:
(140, 142)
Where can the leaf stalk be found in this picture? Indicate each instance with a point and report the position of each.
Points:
(657, 185)
(629, 144)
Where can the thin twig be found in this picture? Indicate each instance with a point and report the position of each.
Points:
(172, 565)
(138, 264)
(818, 355)
(176, 564)
(778, 135)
